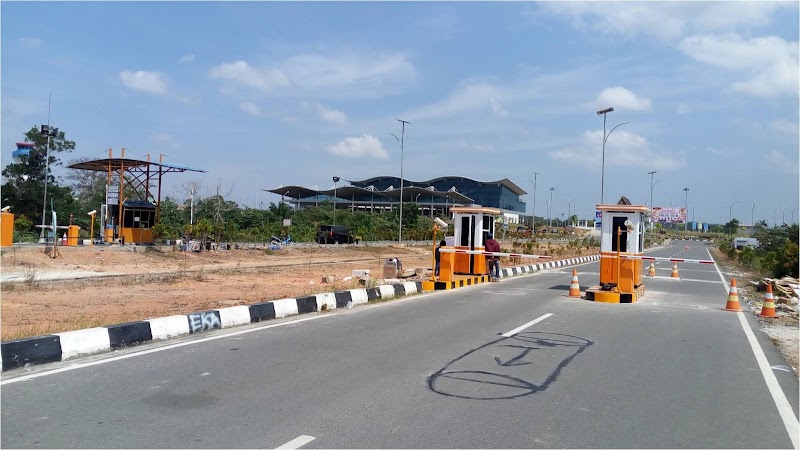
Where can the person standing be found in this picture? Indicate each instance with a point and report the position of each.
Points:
(494, 261)
(438, 256)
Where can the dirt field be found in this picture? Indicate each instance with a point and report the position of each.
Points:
(164, 282)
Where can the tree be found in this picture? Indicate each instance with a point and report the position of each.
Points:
(24, 185)
(732, 226)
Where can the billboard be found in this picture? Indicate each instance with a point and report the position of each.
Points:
(669, 215)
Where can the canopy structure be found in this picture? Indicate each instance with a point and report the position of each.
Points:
(144, 186)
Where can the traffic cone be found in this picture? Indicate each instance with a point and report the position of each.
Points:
(733, 298)
(652, 271)
(675, 270)
(768, 309)
(575, 287)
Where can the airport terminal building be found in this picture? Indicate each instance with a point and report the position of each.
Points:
(435, 197)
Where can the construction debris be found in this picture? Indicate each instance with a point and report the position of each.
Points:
(786, 289)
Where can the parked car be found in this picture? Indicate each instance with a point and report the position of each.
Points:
(334, 234)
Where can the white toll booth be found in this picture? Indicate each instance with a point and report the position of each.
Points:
(621, 234)
(471, 224)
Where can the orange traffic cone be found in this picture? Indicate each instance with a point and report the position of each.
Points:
(768, 310)
(675, 270)
(733, 298)
(652, 271)
(575, 287)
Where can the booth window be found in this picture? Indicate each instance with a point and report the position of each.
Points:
(618, 223)
(465, 231)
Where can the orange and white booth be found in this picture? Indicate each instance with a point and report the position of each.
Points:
(621, 235)
(471, 224)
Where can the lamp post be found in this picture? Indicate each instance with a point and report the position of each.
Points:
(533, 225)
(335, 180)
(49, 132)
(550, 214)
(401, 138)
(604, 112)
(569, 206)
(730, 210)
(752, 215)
(783, 214)
(686, 210)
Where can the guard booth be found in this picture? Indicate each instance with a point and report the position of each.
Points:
(621, 235)
(471, 224)
(138, 217)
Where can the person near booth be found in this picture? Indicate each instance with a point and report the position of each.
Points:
(493, 261)
(438, 257)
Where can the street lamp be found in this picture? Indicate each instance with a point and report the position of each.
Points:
(402, 135)
(569, 206)
(49, 132)
(783, 214)
(686, 210)
(730, 211)
(604, 112)
(335, 180)
(550, 214)
(533, 226)
(752, 215)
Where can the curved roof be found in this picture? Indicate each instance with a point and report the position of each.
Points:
(129, 164)
(504, 182)
(409, 193)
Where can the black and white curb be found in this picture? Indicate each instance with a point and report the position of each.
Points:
(73, 344)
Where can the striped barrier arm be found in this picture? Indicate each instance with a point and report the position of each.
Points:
(657, 258)
(483, 252)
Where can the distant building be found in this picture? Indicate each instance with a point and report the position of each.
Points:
(434, 197)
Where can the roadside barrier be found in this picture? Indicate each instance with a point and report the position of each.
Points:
(768, 309)
(733, 298)
(483, 252)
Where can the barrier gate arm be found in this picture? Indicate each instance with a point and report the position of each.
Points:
(482, 252)
(658, 258)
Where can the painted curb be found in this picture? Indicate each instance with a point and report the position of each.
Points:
(73, 344)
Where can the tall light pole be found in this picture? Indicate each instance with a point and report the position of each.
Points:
(401, 138)
(686, 210)
(49, 132)
(550, 215)
(783, 214)
(335, 180)
(604, 112)
(569, 206)
(533, 227)
(730, 211)
(752, 215)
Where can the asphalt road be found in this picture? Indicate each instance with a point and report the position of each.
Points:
(439, 370)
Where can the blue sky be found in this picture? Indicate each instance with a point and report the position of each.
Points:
(263, 94)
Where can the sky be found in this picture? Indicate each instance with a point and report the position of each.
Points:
(269, 94)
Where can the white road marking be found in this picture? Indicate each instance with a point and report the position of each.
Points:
(532, 322)
(790, 421)
(297, 442)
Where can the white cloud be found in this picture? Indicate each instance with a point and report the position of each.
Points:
(332, 75)
(366, 146)
(621, 98)
(497, 108)
(185, 59)
(666, 21)
(784, 126)
(327, 113)
(242, 72)
(623, 149)
(468, 96)
(164, 139)
(781, 162)
(474, 147)
(250, 108)
(152, 82)
(770, 62)
(31, 43)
